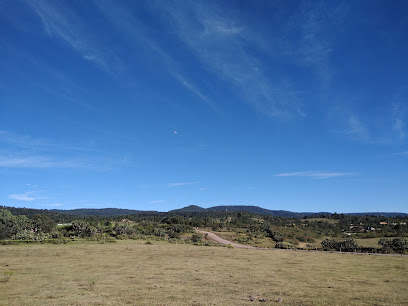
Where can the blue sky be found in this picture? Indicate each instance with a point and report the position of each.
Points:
(156, 105)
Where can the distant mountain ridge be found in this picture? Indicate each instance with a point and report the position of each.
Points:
(116, 212)
(263, 211)
(190, 208)
(277, 213)
(102, 212)
(242, 208)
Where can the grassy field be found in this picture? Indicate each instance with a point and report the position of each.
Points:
(129, 272)
(369, 242)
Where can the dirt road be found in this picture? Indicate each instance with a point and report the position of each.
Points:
(224, 241)
(218, 239)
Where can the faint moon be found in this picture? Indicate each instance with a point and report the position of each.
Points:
(175, 132)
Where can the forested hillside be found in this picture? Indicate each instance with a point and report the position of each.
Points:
(334, 231)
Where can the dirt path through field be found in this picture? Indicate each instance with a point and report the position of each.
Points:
(218, 239)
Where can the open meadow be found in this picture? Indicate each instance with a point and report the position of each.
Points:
(129, 272)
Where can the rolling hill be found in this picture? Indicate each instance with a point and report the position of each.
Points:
(116, 212)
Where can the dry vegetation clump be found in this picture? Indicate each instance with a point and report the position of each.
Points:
(6, 276)
(133, 273)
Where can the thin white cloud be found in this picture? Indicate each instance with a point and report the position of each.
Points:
(24, 162)
(316, 174)
(181, 184)
(399, 126)
(42, 162)
(21, 197)
(37, 162)
(385, 128)
(220, 43)
(156, 201)
(62, 22)
(192, 148)
(64, 89)
(357, 128)
(140, 36)
(398, 123)
(28, 142)
(57, 84)
(35, 144)
(313, 48)
(364, 128)
(23, 141)
(191, 87)
(168, 185)
(26, 151)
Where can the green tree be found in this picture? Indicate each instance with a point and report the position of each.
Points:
(329, 244)
(196, 238)
(348, 245)
(81, 228)
(43, 224)
(276, 236)
(398, 245)
(12, 225)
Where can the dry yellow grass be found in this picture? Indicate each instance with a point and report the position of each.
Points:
(369, 242)
(167, 274)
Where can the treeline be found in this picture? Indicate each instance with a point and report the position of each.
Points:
(42, 227)
(37, 225)
(319, 224)
(21, 227)
(397, 245)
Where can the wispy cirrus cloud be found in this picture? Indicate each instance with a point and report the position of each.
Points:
(57, 162)
(140, 36)
(399, 111)
(384, 124)
(35, 195)
(58, 83)
(39, 162)
(59, 20)
(221, 44)
(399, 126)
(167, 185)
(316, 174)
(384, 128)
(360, 128)
(26, 151)
(192, 88)
(312, 25)
(357, 129)
(63, 88)
(181, 184)
(21, 197)
(24, 141)
(401, 153)
(30, 143)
